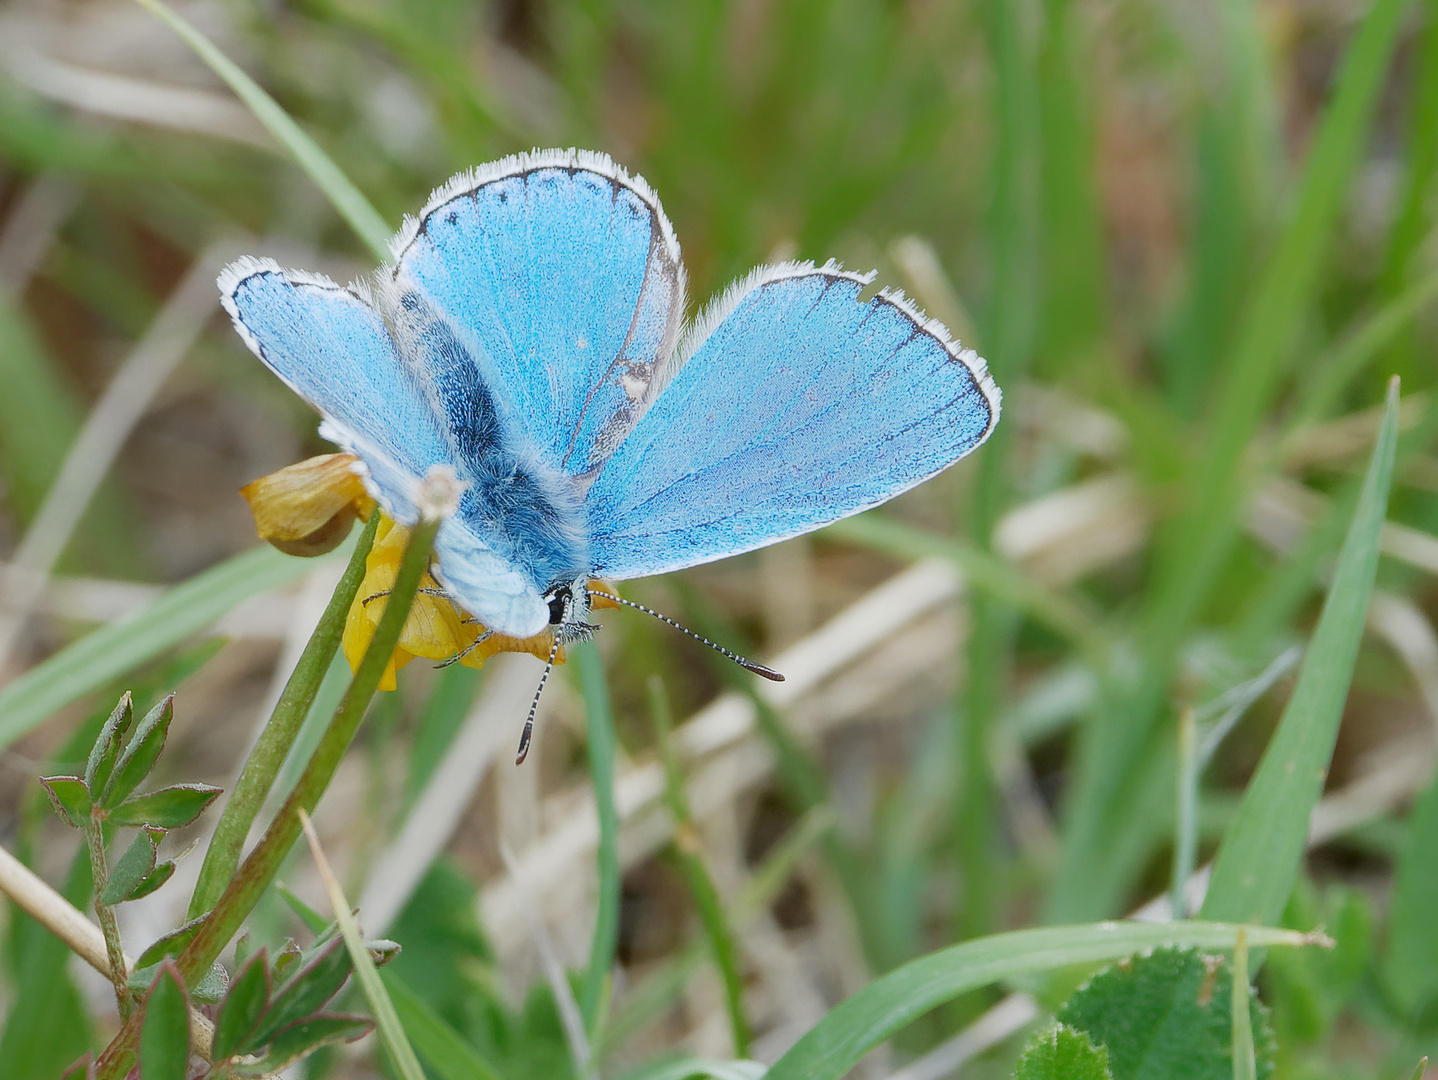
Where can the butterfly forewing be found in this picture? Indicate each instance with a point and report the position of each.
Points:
(564, 276)
(799, 406)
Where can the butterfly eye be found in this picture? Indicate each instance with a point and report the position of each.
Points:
(559, 601)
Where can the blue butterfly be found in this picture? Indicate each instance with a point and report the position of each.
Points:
(530, 334)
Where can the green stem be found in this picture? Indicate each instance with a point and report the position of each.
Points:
(95, 841)
(601, 766)
(1185, 844)
(260, 868)
(258, 776)
(696, 874)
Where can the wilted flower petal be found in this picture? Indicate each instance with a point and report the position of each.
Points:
(308, 508)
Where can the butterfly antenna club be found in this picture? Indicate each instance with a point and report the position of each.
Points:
(743, 662)
(528, 733)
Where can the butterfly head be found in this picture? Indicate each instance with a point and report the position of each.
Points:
(568, 611)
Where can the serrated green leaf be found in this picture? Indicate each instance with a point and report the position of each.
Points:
(170, 807)
(171, 944)
(243, 1006)
(69, 797)
(856, 1025)
(106, 750)
(298, 1040)
(165, 1029)
(140, 754)
(321, 974)
(1063, 1053)
(134, 866)
(1166, 1014)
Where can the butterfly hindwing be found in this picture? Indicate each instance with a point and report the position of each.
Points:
(332, 347)
(798, 406)
(564, 276)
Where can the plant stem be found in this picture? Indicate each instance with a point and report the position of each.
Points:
(263, 863)
(600, 726)
(95, 841)
(701, 886)
(258, 775)
(1185, 843)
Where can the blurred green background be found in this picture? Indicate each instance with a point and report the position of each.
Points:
(1193, 238)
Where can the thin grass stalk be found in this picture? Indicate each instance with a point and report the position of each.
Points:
(258, 775)
(1185, 841)
(600, 727)
(688, 850)
(1259, 859)
(328, 177)
(1245, 1058)
(263, 863)
(391, 1033)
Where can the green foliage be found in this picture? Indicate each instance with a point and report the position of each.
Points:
(1410, 962)
(1258, 863)
(107, 653)
(272, 1014)
(49, 1025)
(128, 876)
(1063, 1053)
(1166, 1014)
(165, 1028)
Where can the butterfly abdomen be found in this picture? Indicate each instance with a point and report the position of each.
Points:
(520, 508)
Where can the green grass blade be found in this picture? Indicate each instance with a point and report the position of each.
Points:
(346, 198)
(391, 1032)
(1258, 862)
(1410, 961)
(700, 1069)
(601, 765)
(1322, 390)
(111, 651)
(887, 1005)
(446, 1052)
(1185, 844)
(702, 889)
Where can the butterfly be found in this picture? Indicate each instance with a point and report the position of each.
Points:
(530, 335)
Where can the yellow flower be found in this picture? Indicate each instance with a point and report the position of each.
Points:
(308, 508)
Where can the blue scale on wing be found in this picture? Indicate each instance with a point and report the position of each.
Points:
(569, 296)
(801, 407)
